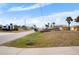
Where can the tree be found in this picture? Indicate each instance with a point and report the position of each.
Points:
(69, 19)
(11, 26)
(16, 27)
(47, 25)
(35, 28)
(24, 27)
(1, 27)
(53, 24)
(77, 19)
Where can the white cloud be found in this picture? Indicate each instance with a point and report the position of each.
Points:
(59, 18)
(22, 8)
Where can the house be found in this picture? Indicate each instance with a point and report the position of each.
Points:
(75, 28)
(64, 28)
(57, 28)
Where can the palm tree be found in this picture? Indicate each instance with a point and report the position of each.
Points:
(69, 19)
(53, 24)
(47, 25)
(77, 19)
(34, 26)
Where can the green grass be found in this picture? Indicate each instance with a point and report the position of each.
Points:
(23, 42)
(47, 39)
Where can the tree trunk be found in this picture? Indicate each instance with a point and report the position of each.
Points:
(69, 27)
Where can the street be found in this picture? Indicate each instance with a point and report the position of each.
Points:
(5, 37)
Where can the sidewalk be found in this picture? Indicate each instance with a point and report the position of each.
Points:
(39, 51)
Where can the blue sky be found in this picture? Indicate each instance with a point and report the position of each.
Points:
(36, 13)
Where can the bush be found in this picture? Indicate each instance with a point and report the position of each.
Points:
(35, 29)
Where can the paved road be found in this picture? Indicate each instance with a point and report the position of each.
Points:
(39, 51)
(5, 37)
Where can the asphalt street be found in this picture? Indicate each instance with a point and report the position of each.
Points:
(5, 37)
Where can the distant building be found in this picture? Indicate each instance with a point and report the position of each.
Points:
(75, 28)
(58, 27)
(64, 28)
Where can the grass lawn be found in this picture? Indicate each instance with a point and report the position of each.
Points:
(47, 39)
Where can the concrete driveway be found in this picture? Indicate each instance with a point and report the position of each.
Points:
(39, 51)
(5, 37)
